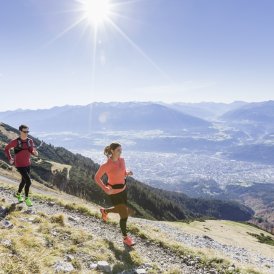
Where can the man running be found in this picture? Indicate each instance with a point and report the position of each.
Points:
(23, 149)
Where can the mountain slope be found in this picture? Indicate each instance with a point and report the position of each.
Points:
(262, 112)
(206, 110)
(258, 196)
(63, 231)
(147, 201)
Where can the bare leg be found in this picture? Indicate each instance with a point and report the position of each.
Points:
(117, 209)
(120, 209)
(113, 209)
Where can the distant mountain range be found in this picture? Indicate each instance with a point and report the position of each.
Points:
(238, 129)
(140, 115)
(105, 116)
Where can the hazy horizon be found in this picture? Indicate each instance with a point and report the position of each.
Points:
(157, 102)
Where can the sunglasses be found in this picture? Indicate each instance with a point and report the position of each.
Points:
(25, 131)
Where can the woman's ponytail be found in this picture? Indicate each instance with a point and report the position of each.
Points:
(109, 148)
(107, 151)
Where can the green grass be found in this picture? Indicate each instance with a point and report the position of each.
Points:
(262, 238)
(58, 219)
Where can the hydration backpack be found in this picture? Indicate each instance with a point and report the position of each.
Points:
(19, 146)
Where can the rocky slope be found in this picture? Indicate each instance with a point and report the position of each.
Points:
(65, 234)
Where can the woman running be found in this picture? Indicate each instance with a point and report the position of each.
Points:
(116, 188)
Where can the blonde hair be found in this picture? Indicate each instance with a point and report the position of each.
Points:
(112, 146)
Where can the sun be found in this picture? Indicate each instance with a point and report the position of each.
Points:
(96, 11)
(99, 16)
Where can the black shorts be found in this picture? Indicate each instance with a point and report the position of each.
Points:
(119, 198)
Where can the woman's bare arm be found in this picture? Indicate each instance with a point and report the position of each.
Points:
(100, 172)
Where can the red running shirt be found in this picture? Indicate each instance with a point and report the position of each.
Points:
(22, 158)
(115, 170)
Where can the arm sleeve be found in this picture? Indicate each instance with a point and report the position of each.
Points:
(8, 147)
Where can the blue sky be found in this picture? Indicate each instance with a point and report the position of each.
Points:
(179, 50)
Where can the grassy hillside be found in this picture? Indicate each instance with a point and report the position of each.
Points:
(68, 232)
(74, 173)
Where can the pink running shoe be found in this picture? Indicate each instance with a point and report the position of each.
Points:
(128, 241)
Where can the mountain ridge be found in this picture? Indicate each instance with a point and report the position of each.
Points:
(102, 116)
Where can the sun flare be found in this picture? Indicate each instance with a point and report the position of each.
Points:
(100, 17)
(96, 11)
